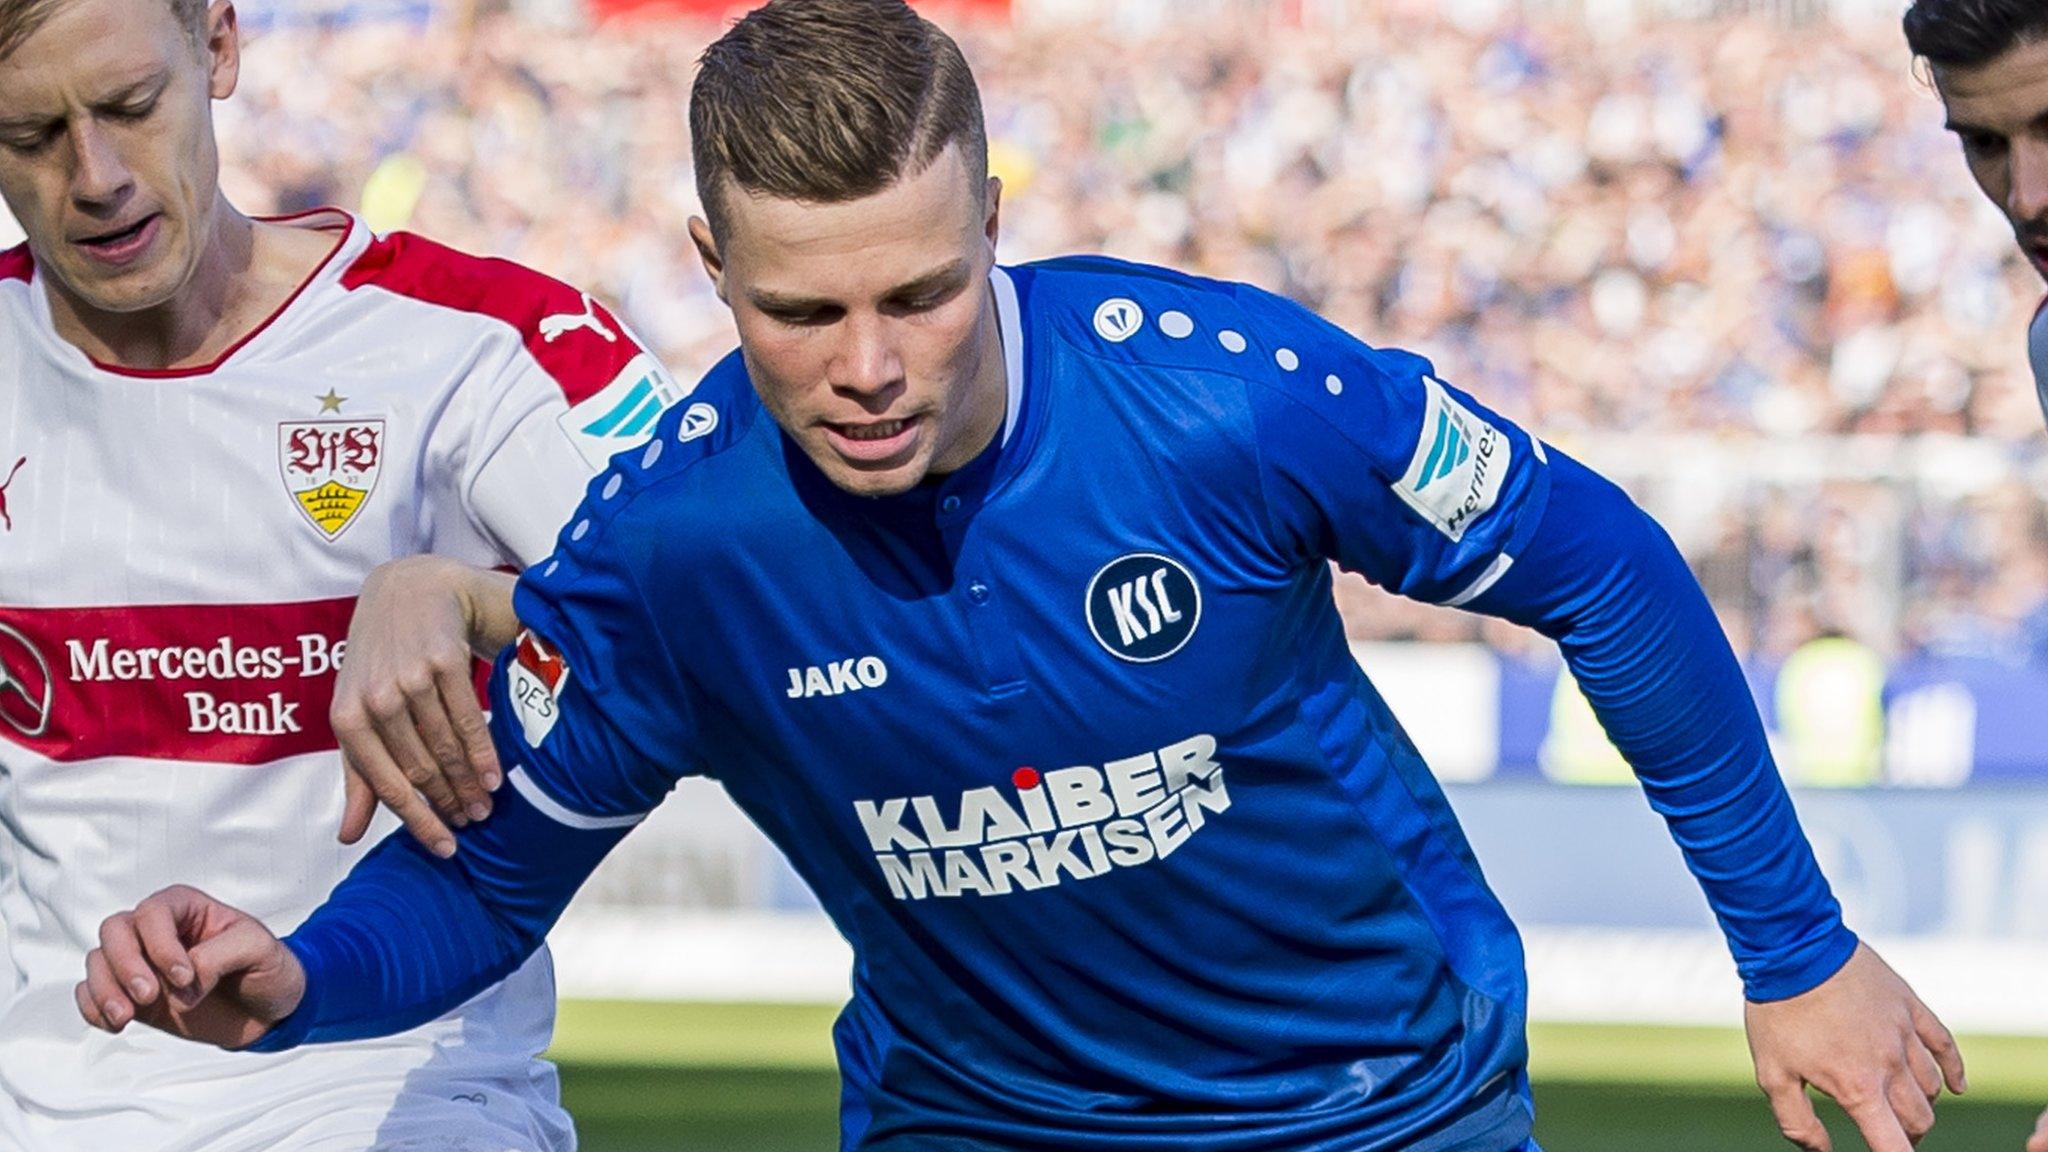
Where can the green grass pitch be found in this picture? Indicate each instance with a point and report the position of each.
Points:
(646, 1077)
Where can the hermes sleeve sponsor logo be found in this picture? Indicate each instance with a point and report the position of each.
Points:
(330, 468)
(622, 413)
(1047, 828)
(5, 518)
(535, 682)
(553, 328)
(1143, 607)
(837, 678)
(226, 683)
(1459, 464)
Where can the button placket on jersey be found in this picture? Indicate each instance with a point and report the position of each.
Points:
(993, 633)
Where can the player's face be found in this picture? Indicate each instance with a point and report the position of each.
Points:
(868, 327)
(2000, 112)
(107, 153)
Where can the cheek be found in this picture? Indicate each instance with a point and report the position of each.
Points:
(782, 369)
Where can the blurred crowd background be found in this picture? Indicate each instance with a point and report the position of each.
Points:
(1733, 261)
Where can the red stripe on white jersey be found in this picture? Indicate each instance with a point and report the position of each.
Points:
(577, 340)
(17, 264)
(222, 683)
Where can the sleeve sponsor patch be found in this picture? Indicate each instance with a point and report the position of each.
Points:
(1459, 464)
(536, 678)
(623, 412)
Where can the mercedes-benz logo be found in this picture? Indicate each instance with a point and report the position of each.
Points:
(25, 684)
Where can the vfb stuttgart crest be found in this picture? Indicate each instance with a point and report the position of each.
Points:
(330, 468)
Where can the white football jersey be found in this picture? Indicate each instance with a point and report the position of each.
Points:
(2037, 351)
(180, 553)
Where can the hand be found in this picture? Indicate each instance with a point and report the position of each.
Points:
(190, 965)
(2039, 1141)
(405, 709)
(1863, 1038)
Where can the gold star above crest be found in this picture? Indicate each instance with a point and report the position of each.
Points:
(331, 402)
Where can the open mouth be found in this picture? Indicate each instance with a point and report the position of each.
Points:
(121, 243)
(874, 441)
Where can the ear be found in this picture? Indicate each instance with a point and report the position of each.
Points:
(707, 251)
(223, 49)
(992, 226)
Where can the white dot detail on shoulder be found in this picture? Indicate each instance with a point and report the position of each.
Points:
(1335, 385)
(1118, 319)
(652, 454)
(581, 530)
(1177, 325)
(1287, 360)
(612, 486)
(550, 569)
(1233, 341)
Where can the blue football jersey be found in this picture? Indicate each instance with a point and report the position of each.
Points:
(1071, 746)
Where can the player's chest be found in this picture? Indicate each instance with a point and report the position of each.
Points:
(1047, 629)
(186, 488)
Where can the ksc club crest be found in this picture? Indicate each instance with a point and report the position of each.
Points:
(1144, 607)
(330, 468)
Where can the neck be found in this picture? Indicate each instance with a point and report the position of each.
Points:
(991, 394)
(201, 319)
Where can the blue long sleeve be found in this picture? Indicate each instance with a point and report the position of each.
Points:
(1604, 581)
(408, 936)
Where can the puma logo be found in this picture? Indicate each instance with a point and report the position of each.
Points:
(553, 328)
(4, 517)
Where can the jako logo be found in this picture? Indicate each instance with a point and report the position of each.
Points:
(698, 420)
(1449, 451)
(1118, 319)
(1143, 607)
(837, 678)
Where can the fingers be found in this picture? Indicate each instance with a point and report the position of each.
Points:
(1942, 1043)
(435, 725)
(359, 802)
(121, 949)
(1912, 1107)
(2039, 1141)
(458, 692)
(1796, 1118)
(395, 790)
(1871, 1108)
(82, 993)
(101, 999)
(157, 926)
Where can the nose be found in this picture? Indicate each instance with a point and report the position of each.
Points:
(866, 362)
(99, 176)
(2027, 200)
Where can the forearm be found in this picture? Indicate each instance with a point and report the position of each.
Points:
(407, 936)
(1605, 582)
(487, 607)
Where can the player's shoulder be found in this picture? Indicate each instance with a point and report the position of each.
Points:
(1145, 315)
(17, 285)
(575, 338)
(708, 467)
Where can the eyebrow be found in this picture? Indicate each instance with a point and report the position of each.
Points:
(937, 278)
(2040, 120)
(151, 85)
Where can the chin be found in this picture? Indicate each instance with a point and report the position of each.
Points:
(136, 290)
(894, 482)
